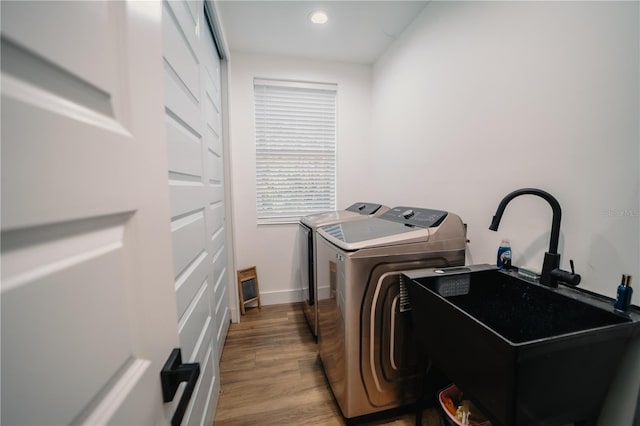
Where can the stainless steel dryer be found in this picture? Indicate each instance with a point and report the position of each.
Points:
(307, 242)
(364, 328)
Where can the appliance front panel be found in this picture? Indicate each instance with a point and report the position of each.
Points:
(306, 275)
(332, 311)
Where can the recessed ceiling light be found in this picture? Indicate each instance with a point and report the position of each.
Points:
(318, 17)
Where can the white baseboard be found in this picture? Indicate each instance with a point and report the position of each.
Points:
(286, 296)
(323, 293)
(280, 296)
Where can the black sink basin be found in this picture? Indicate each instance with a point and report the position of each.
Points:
(526, 354)
(521, 312)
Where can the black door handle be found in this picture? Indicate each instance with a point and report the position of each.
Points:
(173, 373)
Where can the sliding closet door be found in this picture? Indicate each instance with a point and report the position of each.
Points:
(194, 137)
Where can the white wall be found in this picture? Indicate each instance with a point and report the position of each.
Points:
(272, 248)
(480, 98)
(477, 99)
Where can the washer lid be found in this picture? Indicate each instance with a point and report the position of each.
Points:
(373, 232)
(355, 211)
(319, 219)
(400, 225)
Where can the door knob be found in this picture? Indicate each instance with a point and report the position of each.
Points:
(173, 373)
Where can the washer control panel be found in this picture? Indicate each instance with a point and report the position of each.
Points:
(415, 216)
(364, 208)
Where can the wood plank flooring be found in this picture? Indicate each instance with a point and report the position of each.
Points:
(271, 374)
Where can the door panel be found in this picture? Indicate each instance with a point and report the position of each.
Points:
(86, 27)
(186, 195)
(184, 150)
(194, 321)
(188, 239)
(64, 293)
(201, 405)
(64, 130)
(215, 196)
(88, 306)
(197, 194)
(188, 283)
(181, 48)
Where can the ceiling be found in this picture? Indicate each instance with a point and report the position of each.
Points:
(357, 31)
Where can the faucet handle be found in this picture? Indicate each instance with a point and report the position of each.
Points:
(565, 276)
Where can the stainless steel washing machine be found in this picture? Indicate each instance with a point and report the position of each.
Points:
(364, 328)
(307, 243)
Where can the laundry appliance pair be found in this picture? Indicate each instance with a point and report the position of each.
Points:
(307, 255)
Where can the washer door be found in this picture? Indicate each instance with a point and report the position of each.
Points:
(389, 361)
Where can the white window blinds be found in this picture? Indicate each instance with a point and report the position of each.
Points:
(295, 149)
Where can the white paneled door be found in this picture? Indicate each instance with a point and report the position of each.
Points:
(88, 301)
(193, 126)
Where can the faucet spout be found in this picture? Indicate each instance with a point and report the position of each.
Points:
(551, 272)
(555, 206)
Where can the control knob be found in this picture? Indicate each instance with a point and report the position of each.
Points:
(408, 213)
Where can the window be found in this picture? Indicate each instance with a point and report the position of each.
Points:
(295, 149)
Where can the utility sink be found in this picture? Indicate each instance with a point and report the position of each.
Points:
(526, 354)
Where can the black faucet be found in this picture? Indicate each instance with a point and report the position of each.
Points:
(551, 272)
